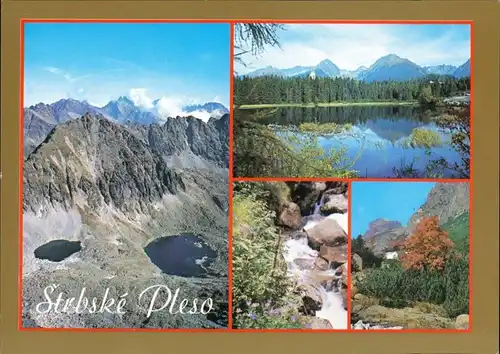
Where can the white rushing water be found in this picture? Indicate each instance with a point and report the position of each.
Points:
(332, 304)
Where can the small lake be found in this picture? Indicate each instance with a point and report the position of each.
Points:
(57, 250)
(185, 255)
(376, 138)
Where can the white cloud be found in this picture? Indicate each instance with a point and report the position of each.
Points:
(171, 106)
(140, 98)
(353, 45)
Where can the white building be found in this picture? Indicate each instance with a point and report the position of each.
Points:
(391, 255)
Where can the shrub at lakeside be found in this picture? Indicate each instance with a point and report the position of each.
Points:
(423, 138)
(258, 152)
(324, 128)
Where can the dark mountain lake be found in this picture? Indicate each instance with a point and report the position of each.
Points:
(185, 255)
(375, 139)
(57, 250)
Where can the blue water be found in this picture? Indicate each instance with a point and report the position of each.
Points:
(375, 140)
(185, 255)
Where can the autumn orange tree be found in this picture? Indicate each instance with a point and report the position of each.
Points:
(428, 248)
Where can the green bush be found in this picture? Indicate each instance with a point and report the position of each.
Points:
(422, 138)
(396, 286)
(266, 321)
(260, 283)
(259, 152)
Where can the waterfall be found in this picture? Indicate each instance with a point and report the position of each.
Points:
(332, 303)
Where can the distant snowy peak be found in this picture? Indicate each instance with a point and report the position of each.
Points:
(389, 67)
(210, 107)
(122, 110)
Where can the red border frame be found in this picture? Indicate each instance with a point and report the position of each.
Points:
(232, 179)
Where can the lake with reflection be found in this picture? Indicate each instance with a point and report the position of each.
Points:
(376, 138)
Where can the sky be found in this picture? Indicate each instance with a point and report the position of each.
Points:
(97, 62)
(394, 201)
(350, 46)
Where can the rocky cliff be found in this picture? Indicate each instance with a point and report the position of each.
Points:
(446, 200)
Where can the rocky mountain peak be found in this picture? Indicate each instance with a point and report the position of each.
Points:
(92, 162)
(380, 225)
(445, 200)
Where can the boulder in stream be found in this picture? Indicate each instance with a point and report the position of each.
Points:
(317, 323)
(327, 232)
(311, 299)
(334, 203)
(334, 255)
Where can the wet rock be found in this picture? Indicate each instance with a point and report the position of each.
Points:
(306, 195)
(304, 263)
(315, 218)
(334, 204)
(321, 264)
(345, 271)
(336, 188)
(297, 235)
(327, 232)
(332, 284)
(311, 299)
(319, 323)
(319, 186)
(345, 298)
(290, 216)
(334, 255)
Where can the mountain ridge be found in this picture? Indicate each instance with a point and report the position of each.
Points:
(388, 67)
(41, 118)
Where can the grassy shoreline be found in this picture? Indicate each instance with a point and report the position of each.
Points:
(326, 104)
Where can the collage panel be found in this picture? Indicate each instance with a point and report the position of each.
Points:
(410, 255)
(126, 175)
(352, 100)
(290, 260)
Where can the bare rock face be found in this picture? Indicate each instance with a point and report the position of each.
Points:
(113, 189)
(327, 232)
(445, 200)
(96, 160)
(378, 226)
